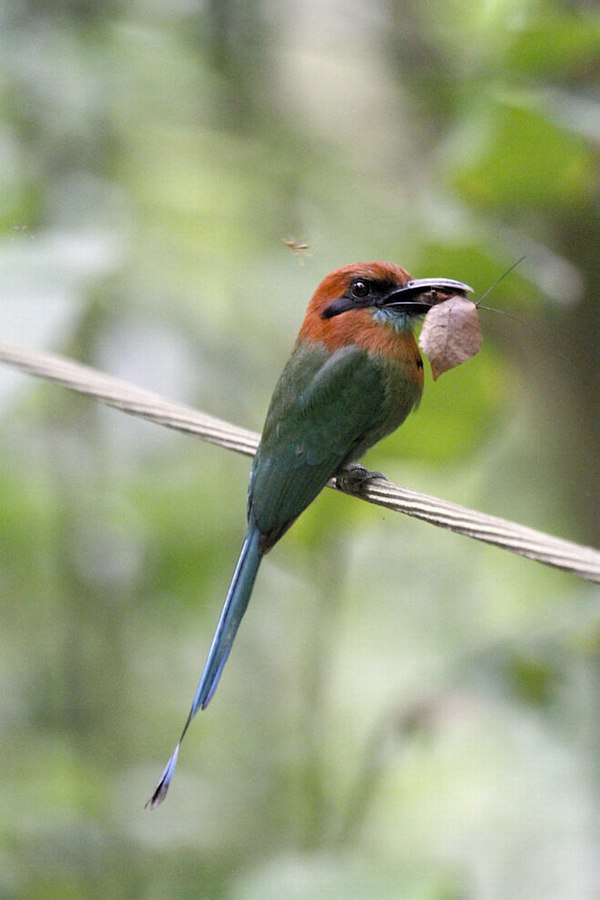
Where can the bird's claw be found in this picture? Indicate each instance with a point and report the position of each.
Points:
(354, 477)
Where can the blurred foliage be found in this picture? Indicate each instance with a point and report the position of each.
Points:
(406, 714)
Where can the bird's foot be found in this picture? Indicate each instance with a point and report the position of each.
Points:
(353, 478)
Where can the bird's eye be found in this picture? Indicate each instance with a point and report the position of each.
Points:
(360, 289)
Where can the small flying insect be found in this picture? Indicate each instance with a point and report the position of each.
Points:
(298, 248)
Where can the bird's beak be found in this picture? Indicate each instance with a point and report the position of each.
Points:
(420, 294)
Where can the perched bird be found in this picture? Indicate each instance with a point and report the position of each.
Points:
(354, 375)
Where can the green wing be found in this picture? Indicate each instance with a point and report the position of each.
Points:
(327, 409)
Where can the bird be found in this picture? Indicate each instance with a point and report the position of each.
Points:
(354, 375)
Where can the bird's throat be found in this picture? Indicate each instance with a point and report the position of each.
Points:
(400, 321)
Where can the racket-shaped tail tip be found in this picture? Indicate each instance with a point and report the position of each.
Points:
(161, 789)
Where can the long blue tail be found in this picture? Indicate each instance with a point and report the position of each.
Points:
(233, 610)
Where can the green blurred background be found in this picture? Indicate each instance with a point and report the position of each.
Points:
(406, 713)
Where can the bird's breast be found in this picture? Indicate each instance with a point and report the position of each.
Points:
(398, 352)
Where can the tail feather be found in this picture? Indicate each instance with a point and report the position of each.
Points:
(233, 610)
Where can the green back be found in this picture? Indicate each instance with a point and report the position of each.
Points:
(327, 410)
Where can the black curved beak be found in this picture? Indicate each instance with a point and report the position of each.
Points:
(420, 294)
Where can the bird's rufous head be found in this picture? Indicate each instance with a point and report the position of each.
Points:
(356, 286)
(358, 297)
